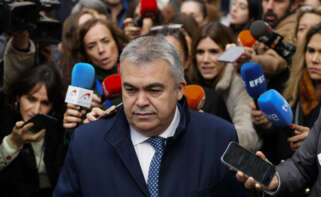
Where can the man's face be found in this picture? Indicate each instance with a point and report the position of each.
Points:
(149, 95)
(275, 10)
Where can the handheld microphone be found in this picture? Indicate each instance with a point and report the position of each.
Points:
(111, 86)
(82, 79)
(254, 80)
(262, 32)
(276, 109)
(148, 8)
(246, 38)
(195, 96)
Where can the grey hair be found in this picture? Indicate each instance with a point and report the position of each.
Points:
(150, 48)
(97, 5)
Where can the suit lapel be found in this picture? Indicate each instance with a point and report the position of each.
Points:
(118, 136)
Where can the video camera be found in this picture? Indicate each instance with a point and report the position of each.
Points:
(26, 16)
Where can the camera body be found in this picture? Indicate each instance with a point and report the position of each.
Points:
(25, 16)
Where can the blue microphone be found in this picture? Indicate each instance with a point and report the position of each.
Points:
(83, 75)
(82, 79)
(275, 108)
(254, 79)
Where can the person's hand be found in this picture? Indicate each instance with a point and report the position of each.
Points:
(250, 183)
(21, 134)
(147, 25)
(96, 101)
(97, 113)
(94, 114)
(258, 117)
(301, 133)
(130, 30)
(73, 116)
(246, 56)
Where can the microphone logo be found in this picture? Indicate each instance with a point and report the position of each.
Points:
(79, 96)
(258, 81)
(285, 107)
(272, 117)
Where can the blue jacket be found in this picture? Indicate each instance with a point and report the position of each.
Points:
(101, 160)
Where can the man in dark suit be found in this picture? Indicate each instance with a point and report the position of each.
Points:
(154, 146)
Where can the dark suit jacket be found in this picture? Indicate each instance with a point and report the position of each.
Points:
(101, 160)
(303, 169)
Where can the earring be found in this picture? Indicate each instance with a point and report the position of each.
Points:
(16, 106)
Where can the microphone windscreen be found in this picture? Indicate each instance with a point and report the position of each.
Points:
(275, 108)
(253, 77)
(246, 38)
(261, 31)
(112, 86)
(83, 75)
(194, 95)
(148, 8)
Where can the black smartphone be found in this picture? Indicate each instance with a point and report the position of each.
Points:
(42, 121)
(238, 158)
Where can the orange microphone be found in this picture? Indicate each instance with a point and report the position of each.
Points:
(195, 96)
(246, 38)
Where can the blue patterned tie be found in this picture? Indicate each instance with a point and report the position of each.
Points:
(153, 174)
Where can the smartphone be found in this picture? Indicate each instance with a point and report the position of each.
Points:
(231, 54)
(112, 110)
(238, 158)
(42, 121)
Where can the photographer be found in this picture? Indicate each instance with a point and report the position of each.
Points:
(31, 37)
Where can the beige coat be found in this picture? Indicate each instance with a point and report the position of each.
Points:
(236, 99)
(16, 61)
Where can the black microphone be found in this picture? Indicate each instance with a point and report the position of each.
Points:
(262, 32)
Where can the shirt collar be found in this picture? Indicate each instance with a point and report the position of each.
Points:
(138, 138)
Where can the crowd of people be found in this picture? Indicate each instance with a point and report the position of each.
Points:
(154, 145)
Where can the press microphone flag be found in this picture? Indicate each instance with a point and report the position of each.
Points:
(82, 79)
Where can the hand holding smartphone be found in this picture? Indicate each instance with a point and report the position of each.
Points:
(238, 158)
(42, 121)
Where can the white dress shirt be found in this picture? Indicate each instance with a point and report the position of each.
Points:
(145, 150)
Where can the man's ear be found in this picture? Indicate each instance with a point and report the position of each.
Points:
(180, 90)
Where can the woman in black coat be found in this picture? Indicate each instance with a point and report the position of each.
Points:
(30, 162)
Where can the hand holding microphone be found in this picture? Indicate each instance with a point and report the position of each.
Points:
(79, 94)
(111, 88)
(134, 28)
(262, 32)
